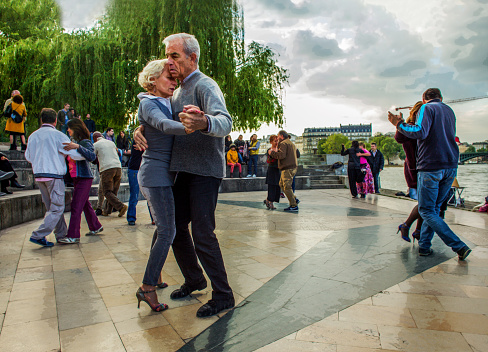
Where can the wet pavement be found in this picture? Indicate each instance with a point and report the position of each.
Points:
(334, 277)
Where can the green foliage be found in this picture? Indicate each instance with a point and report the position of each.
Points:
(96, 70)
(402, 155)
(333, 144)
(320, 146)
(389, 147)
(471, 149)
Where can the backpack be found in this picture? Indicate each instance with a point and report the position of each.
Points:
(13, 114)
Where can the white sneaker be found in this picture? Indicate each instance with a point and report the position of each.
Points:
(248, 175)
(68, 240)
(254, 175)
(94, 232)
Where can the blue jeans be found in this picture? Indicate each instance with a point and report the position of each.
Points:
(412, 193)
(160, 200)
(134, 196)
(376, 180)
(433, 189)
(253, 160)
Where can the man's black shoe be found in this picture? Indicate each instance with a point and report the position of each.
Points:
(186, 290)
(463, 252)
(213, 307)
(425, 252)
(98, 212)
(15, 184)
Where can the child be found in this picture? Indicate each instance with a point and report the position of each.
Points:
(233, 160)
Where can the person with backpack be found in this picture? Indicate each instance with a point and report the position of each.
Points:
(16, 113)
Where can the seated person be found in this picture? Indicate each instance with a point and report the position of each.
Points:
(233, 160)
(11, 181)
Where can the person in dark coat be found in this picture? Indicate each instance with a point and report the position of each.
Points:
(377, 163)
(90, 124)
(353, 167)
(273, 175)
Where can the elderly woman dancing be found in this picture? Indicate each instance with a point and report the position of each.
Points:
(154, 177)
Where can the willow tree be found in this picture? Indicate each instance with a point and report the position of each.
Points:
(28, 32)
(250, 79)
(96, 70)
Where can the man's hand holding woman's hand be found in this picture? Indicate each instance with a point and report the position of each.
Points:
(193, 118)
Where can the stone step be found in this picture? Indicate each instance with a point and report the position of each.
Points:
(324, 182)
(20, 164)
(327, 186)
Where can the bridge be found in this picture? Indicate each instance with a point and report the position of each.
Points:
(463, 157)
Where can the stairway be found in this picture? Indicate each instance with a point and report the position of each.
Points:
(321, 177)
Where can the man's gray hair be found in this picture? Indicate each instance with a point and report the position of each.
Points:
(190, 43)
(283, 133)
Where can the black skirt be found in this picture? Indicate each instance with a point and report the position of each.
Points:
(273, 175)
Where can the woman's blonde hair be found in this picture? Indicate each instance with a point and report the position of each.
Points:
(152, 71)
(413, 112)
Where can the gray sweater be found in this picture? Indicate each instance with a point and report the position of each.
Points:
(159, 130)
(201, 153)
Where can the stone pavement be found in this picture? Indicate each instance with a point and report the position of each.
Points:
(334, 277)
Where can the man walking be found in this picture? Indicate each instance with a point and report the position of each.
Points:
(110, 174)
(200, 105)
(286, 154)
(377, 163)
(46, 153)
(437, 162)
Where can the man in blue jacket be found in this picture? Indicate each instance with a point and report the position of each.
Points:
(437, 162)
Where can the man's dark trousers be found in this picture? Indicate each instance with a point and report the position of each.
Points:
(195, 201)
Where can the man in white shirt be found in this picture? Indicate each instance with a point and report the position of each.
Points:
(110, 173)
(46, 153)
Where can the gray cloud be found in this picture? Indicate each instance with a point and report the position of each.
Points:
(404, 70)
(314, 47)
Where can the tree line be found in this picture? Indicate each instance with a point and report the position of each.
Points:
(387, 145)
(95, 70)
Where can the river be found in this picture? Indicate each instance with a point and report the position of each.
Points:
(474, 177)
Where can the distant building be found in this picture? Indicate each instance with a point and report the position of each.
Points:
(480, 145)
(311, 136)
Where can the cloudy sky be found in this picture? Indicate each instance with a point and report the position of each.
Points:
(350, 61)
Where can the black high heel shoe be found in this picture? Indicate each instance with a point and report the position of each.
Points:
(266, 202)
(416, 236)
(403, 228)
(140, 294)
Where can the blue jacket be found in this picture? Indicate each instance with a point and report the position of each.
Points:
(83, 166)
(435, 132)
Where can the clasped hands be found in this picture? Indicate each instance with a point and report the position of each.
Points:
(192, 118)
